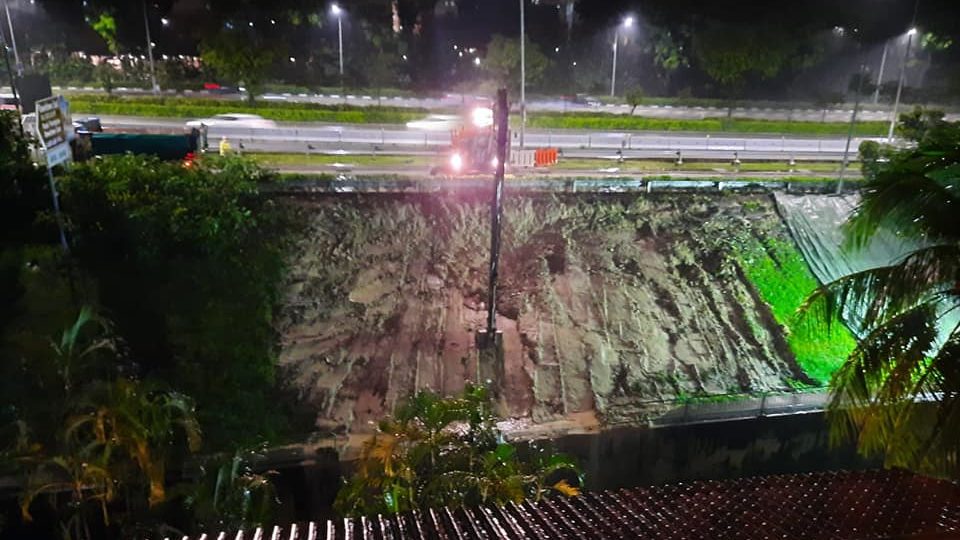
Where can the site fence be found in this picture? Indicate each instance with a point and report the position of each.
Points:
(306, 185)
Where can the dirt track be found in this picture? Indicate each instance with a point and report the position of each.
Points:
(605, 303)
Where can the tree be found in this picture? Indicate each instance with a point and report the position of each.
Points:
(448, 452)
(729, 53)
(106, 27)
(191, 278)
(635, 98)
(383, 64)
(503, 62)
(239, 58)
(898, 394)
(668, 53)
(916, 124)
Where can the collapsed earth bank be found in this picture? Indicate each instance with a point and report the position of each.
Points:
(607, 304)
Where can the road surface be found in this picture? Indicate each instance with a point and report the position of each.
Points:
(327, 138)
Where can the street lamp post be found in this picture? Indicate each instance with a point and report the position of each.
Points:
(523, 72)
(338, 11)
(903, 68)
(13, 39)
(13, 82)
(853, 123)
(627, 23)
(153, 71)
(883, 64)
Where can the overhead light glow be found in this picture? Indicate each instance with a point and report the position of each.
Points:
(456, 162)
(482, 117)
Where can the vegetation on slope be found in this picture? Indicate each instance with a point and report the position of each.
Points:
(783, 280)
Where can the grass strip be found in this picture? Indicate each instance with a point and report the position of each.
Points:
(712, 125)
(279, 111)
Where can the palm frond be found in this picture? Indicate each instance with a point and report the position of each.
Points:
(876, 294)
(916, 196)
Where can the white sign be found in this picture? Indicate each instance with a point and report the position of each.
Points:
(53, 128)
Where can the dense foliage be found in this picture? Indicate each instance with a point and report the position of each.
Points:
(188, 262)
(97, 423)
(898, 393)
(438, 452)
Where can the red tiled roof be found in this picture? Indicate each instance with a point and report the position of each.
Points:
(841, 506)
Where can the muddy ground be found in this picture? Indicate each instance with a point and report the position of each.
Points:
(606, 303)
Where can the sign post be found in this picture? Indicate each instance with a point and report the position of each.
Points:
(53, 123)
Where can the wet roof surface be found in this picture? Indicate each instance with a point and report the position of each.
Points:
(836, 505)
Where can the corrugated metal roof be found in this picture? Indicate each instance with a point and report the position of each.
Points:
(835, 505)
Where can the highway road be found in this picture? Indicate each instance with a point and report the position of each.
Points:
(329, 138)
(453, 101)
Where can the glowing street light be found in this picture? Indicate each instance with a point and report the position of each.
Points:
(338, 12)
(627, 23)
(165, 21)
(903, 67)
(150, 46)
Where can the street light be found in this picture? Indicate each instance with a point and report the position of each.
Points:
(903, 67)
(150, 45)
(627, 23)
(523, 72)
(338, 12)
(13, 40)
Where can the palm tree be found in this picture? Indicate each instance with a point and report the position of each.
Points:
(898, 394)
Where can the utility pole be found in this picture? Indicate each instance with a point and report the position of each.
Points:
(627, 23)
(153, 71)
(338, 12)
(903, 70)
(489, 341)
(13, 83)
(613, 75)
(523, 72)
(13, 39)
(853, 123)
(883, 64)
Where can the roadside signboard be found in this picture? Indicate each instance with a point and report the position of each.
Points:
(53, 128)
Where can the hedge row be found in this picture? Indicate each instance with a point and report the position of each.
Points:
(281, 112)
(734, 125)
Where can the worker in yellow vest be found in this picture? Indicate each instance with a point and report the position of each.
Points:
(224, 146)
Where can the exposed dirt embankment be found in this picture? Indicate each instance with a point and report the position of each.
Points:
(604, 303)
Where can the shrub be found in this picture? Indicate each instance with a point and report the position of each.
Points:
(188, 261)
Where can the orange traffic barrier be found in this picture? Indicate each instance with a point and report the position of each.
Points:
(544, 157)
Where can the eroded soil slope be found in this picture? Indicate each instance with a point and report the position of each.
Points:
(605, 303)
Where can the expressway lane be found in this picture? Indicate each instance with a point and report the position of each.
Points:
(764, 111)
(295, 138)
